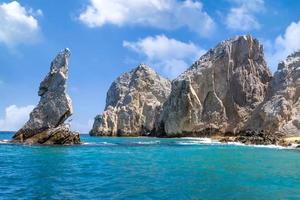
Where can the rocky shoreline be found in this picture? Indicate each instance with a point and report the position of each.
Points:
(228, 94)
(262, 140)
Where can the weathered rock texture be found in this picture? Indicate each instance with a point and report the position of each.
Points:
(133, 104)
(219, 92)
(46, 123)
(279, 114)
(229, 92)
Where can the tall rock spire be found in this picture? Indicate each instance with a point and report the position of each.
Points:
(46, 123)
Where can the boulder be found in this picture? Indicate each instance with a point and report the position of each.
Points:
(46, 122)
(133, 103)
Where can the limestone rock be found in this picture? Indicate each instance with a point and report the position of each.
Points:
(133, 104)
(219, 92)
(280, 112)
(58, 135)
(46, 123)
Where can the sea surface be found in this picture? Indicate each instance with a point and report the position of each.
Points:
(148, 168)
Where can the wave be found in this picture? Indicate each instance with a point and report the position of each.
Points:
(198, 141)
(5, 142)
(183, 141)
(209, 141)
(98, 144)
(270, 146)
(138, 143)
(147, 143)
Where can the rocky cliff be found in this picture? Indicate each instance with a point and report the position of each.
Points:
(46, 123)
(279, 114)
(219, 92)
(133, 104)
(228, 93)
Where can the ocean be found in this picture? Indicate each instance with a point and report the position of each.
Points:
(148, 168)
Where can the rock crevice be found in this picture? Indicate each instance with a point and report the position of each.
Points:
(280, 112)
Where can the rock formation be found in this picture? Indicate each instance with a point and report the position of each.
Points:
(228, 93)
(133, 104)
(46, 123)
(279, 114)
(219, 92)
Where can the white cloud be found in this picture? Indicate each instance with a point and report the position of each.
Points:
(283, 45)
(162, 14)
(18, 24)
(15, 117)
(242, 17)
(167, 55)
(83, 128)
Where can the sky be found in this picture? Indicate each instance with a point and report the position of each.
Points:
(110, 37)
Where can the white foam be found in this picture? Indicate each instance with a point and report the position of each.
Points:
(197, 141)
(150, 142)
(271, 146)
(98, 143)
(202, 141)
(4, 141)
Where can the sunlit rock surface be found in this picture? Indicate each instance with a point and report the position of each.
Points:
(133, 104)
(219, 92)
(46, 123)
(280, 112)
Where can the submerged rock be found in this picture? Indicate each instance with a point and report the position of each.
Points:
(133, 104)
(280, 112)
(219, 92)
(46, 123)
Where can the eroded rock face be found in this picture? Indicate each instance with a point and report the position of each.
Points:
(133, 104)
(219, 92)
(46, 123)
(280, 113)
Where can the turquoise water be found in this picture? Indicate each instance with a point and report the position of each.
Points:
(147, 168)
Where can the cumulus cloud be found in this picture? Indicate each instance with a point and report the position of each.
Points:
(167, 55)
(15, 117)
(18, 24)
(242, 16)
(162, 14)
(83, 128)
(283, 45)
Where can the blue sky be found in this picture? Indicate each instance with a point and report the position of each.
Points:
(110, 37)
